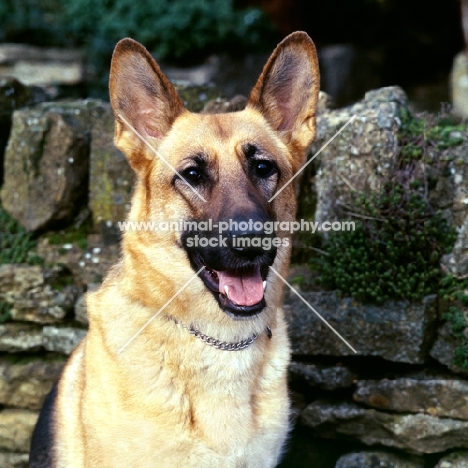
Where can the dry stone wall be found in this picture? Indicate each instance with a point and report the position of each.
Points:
(399, 399)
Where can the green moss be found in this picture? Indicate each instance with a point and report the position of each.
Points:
(303, 242)
(76, 234)
(455, 291)
(61, 282)
(417, 134)
(15, 242)
(37, 155)
(103, 203)
(196, 97)
(394, 253)
(395, 250)
(34, 259)
(5, 311)
(299, 280)
(452, 289)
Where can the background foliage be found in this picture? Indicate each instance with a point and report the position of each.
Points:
(176, 31)
(15, 242)
(400, 236)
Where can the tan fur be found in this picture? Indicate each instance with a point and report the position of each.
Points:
(169, 400)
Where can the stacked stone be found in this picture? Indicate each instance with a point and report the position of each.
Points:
(396, 393)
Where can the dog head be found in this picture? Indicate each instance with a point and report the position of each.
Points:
(217, 175)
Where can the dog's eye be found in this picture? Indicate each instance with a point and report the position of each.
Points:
(264, 169)
(192, 174)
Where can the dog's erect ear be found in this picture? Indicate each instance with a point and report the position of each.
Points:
(287, 91)
(142, 96)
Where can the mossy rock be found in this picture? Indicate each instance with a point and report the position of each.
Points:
(195, 98)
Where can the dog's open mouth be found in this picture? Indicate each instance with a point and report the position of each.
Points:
(236, 277)
(239, 291)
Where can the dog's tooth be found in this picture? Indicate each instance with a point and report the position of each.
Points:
(264, 285)
(226, 290)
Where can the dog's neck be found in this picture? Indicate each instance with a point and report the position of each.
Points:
(222, 345)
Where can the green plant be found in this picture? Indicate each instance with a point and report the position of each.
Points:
(172, 29)
(452, 289)
(298, 280)
(419, 134)
(5, 311)
(34, 259)
(32, 21)
(62, 281)
(178, 31)
(395, 250)
(394, 253)
(15, 242)
(455, 291)
(76, 233)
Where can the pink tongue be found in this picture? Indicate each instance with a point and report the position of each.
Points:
(245, 288)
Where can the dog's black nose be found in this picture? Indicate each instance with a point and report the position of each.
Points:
(248, 238)
(247, 244)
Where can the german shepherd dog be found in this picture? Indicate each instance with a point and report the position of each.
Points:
(186, 357)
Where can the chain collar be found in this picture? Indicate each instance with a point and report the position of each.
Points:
(223, 345)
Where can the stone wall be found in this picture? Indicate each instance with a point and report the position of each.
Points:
(42, 66)
(396, 401)
(399, 396)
